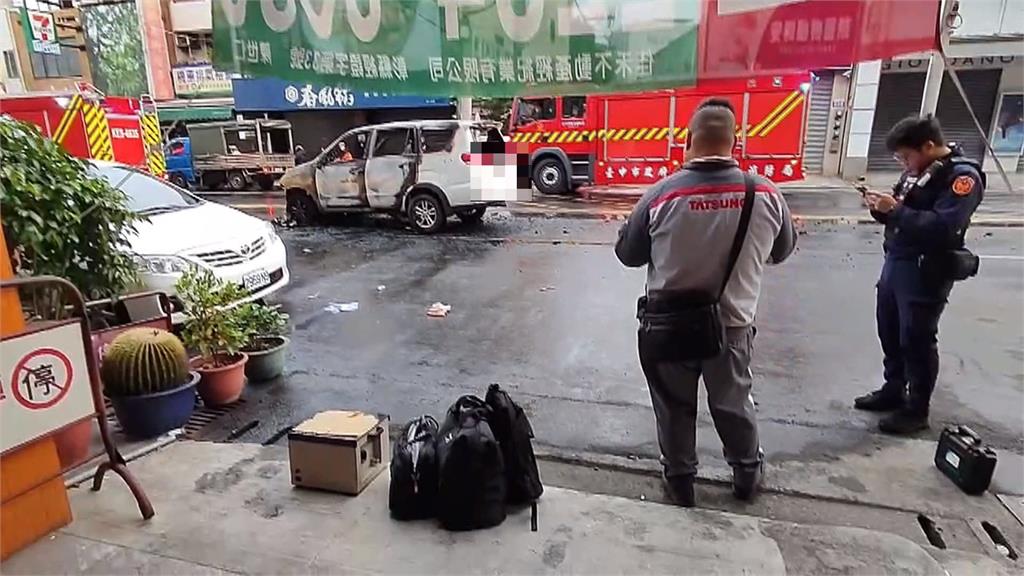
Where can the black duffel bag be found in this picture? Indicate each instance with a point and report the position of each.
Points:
(687, 326)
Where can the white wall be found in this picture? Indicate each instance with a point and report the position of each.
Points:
(990, 18)
(8, 85)
(862, 115)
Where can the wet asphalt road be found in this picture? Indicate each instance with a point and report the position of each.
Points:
(543, 307)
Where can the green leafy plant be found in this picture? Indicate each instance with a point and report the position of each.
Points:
(215, 324)
(262, 323)
(144, 361)
(58, 219)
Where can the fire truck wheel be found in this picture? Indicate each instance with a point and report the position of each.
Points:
(549, 176)
(237, 181)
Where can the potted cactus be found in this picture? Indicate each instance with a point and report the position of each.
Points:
(145, 374)
(267, 344)
(214, 328)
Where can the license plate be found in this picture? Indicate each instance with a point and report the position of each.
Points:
(255, 280)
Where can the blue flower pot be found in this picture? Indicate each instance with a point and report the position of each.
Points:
(151, 415)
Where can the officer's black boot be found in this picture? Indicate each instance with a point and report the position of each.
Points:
(885, 399)
(903, 422)
(746, 480)
(680, 490)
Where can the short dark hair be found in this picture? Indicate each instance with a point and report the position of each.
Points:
(914, 132)
(721, 102)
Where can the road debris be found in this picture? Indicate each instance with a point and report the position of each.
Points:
(439, 310)
(381, 288)
(338, 307)
(547, 288)
(313, 296)
(307, 251)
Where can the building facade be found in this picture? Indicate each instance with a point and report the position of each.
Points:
(42, 46)
(852, 110)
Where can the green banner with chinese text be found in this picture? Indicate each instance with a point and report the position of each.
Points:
(462, 47)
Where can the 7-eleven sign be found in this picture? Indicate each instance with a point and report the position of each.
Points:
(43, 31)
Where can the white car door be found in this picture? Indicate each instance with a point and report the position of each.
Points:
(340, 173)
(391, 168)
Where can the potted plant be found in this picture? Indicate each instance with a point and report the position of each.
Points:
(214, 328)
(267, 344)
(145, 374)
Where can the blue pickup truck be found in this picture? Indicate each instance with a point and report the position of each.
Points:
(236, 155)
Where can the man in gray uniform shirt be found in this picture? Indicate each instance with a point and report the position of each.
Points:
(682, 230)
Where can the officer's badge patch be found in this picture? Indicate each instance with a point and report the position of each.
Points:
(963, 185)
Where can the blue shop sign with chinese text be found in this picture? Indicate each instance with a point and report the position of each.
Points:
(272, 94)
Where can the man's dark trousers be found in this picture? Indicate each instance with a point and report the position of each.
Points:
(907, 312)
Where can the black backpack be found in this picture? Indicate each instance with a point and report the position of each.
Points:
(471, 491)
(512, 429)
(413, 492)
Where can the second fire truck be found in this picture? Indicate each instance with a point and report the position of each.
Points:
(636, 139)
(89, 124)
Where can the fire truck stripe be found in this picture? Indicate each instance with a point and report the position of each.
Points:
(662, 133)
(629, 135)
(789, 110)
(771, 115)
(65, 120)
(563, 136)
(642, 134)
(536, 137)
(652, 134)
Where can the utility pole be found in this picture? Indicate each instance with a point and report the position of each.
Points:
(464, 108)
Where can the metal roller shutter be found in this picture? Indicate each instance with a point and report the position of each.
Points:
(899, 96)
(817, 121)
(982, 87)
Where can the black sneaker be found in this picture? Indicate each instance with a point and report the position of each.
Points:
(879, 401)
(903, 423)
(680, 490)
(746, 482)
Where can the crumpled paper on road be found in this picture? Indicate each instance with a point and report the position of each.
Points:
(439, 310)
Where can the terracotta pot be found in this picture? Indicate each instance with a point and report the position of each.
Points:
(223, 384)
(73, 444)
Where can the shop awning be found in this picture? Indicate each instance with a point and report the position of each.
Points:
(195, 114)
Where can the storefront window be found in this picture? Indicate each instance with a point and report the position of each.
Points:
(1008, 136)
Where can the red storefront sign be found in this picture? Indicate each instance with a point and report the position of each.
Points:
(744, 37)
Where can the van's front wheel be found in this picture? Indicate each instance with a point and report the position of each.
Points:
(301, 209)
(426, 214)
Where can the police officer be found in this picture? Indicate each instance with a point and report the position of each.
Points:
(926, 218)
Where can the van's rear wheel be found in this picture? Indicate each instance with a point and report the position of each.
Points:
(301, 209)
(426, 214)
(549, 177)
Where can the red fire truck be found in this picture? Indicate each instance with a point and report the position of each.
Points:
(89, 124)
(639, 138)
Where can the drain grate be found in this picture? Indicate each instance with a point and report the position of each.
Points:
(201, 417)
(931, 531)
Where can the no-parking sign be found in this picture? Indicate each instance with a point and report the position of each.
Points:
(44, 384)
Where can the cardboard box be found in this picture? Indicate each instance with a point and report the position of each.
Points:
(338, 450)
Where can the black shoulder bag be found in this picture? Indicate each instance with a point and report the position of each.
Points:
(685, 327)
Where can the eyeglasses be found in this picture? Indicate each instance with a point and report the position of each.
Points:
(901, 159)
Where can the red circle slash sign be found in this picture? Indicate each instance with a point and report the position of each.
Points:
(42, 378)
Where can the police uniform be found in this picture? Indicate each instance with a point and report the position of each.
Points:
(930, 221)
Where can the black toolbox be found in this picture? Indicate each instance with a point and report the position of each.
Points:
(963, 457)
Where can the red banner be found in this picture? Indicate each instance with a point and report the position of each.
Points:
(746, 37)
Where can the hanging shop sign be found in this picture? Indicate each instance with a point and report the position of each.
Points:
(40, 31)
(274, 95)
(200, 81)
(462, 47)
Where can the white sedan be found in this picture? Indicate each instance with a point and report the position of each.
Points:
(184, 231)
